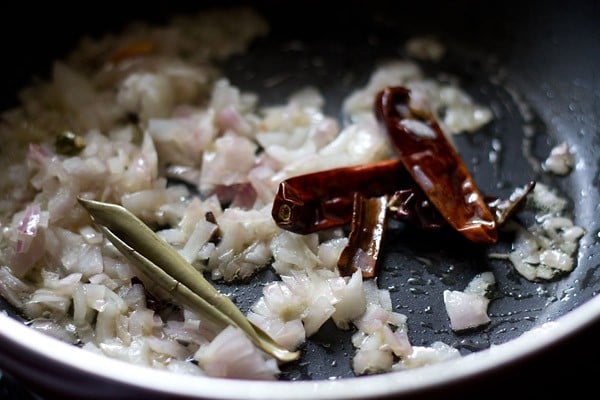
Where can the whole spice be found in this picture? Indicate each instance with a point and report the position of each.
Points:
(435, 165)
(69, 144)
(369, 221)
(428, 186)
(164, 266)
(322, 200)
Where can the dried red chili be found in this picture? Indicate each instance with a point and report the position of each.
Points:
(503, 209)
(369, 220)
(413, 207)
(435, 165)
(322, 200)
(429, 186)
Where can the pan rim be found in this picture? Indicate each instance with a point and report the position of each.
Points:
(53, 357)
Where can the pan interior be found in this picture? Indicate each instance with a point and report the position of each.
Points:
(498, 60)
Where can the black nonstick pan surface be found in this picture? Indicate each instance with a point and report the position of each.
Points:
(536, 64)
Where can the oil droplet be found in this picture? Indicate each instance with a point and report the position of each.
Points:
(426, 325)
(551, 299)
(502, 184)
(496, 144)
(493, 157)
(417, 291)
(473, 345)
(521, 296)
(448, 280)
(415, 281)
(542, 291)
(567, 293)
(494, 154)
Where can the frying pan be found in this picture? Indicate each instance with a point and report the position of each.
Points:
(535, 63)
